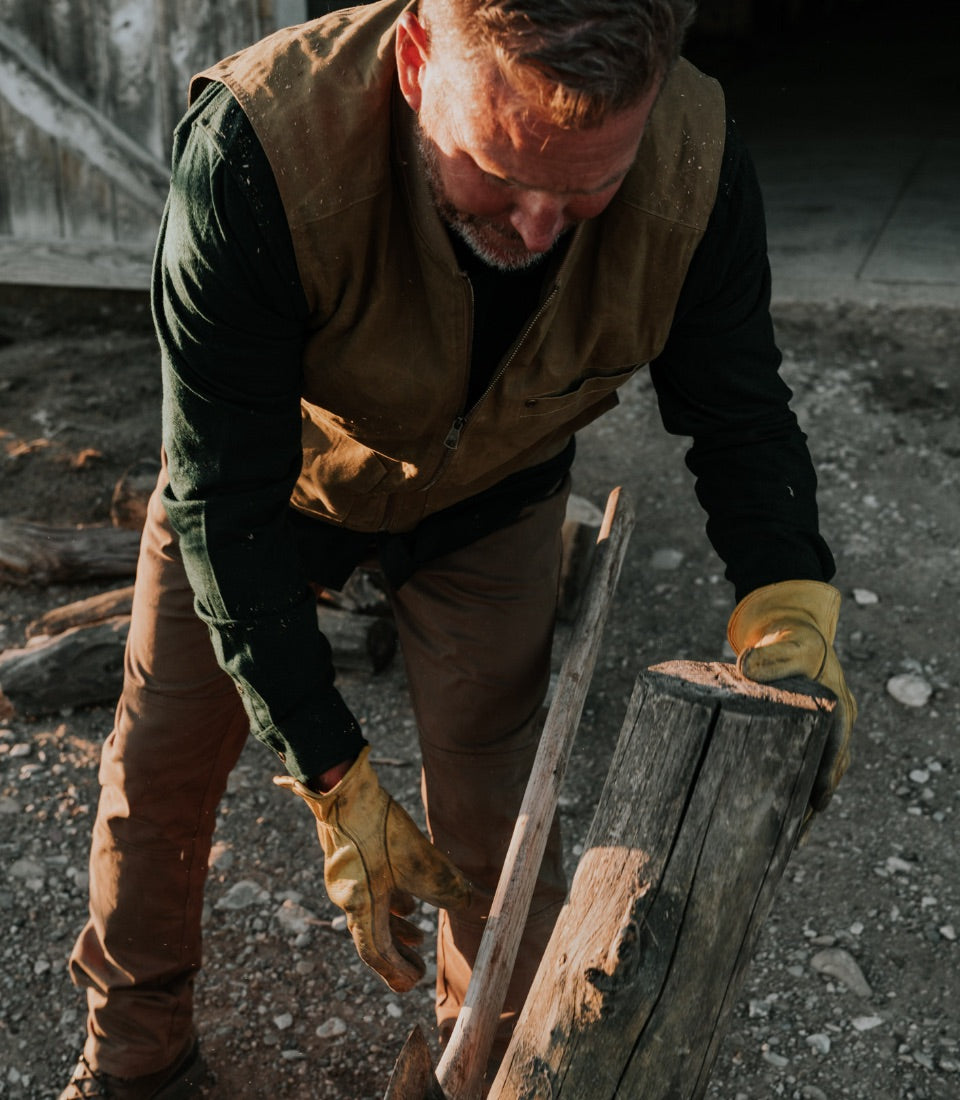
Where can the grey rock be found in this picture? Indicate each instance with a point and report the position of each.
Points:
(294, 918)
(909, 689)
(242, 895)
(27, 869)
(834, 962)
(331, 1028)
(866, 1023)
(819, 1042)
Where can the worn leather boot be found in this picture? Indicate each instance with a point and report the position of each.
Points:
(184, 1080)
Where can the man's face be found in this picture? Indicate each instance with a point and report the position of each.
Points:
(508, 181)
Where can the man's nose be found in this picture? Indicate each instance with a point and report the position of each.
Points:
(538, 218)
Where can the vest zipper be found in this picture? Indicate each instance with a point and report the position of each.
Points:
(453, 436)
(452, 442)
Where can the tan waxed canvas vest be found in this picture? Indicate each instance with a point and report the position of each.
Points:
(386, 439)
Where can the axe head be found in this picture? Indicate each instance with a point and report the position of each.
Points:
(413, 1077)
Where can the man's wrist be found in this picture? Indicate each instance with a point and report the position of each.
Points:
(328, 779)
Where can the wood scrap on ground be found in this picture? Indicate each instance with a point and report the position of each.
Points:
(74, 655)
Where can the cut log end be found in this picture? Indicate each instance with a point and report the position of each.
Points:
(718, 678)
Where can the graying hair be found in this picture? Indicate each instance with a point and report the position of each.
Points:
(585, 58)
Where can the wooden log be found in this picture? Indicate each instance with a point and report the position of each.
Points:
(34, 553)
(81, 667)
(364, 592)
(78, 659)
(362, 642)
(700, 812)
(94, 609)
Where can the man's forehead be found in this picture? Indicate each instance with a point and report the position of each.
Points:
(512, 137)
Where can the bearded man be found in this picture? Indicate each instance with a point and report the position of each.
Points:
(410, 249)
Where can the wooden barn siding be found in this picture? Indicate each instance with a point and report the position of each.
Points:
(90, 91)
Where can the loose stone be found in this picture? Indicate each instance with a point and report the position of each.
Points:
(910, 689)
(840, 964)
(864, 597)
(29, 869)
(295, 919)
(866, 1023)
(242, 895)
(331, 1028)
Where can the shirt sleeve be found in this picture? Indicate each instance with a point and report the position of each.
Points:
(229, 313)
(717, 381)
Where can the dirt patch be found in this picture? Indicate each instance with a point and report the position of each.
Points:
(284, 1007)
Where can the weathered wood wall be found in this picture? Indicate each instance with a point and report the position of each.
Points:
(90, 91)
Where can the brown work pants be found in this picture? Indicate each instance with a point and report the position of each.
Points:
(475, 628)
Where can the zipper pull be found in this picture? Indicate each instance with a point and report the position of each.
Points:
(453, 436)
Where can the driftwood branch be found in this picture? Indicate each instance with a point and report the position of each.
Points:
(95, 609)
(80, 667)
(76, 653)
(37, 554)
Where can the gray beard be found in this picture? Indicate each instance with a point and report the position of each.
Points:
(470, 229)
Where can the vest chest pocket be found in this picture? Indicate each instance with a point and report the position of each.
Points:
(581, 397)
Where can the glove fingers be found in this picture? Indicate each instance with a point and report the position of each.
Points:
(402, 902)
(421, 869)
(370, 917)
(783, 656)
(404, 933)
(389, 955)
(836, 752)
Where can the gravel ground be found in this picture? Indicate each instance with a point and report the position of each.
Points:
(854, 988)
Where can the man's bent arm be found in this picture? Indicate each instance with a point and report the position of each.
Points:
(717, 381)
(229, 315)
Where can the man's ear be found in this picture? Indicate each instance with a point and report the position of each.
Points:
(412, 49)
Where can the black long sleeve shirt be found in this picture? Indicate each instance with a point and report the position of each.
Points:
(231, 319)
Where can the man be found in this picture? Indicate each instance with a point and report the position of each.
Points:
(409, 251)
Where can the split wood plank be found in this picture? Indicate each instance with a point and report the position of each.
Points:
(578, 539)
(696, 822)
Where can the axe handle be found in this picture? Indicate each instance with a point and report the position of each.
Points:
(462, 1066)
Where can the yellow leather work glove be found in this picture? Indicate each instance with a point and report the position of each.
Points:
(787, 629)
(376, 861)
